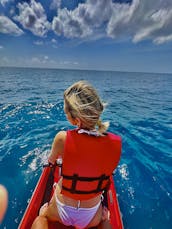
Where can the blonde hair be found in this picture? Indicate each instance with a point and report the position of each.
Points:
(83, 102)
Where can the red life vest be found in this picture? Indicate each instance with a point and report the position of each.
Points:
(88, 162)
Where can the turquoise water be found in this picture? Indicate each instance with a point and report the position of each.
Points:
(139, 109)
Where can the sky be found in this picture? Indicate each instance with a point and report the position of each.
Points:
(117, 35)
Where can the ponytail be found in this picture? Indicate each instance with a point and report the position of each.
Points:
(102, 126)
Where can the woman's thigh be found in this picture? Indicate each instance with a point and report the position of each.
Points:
(51, 213)
(97, 218)
(40, 223)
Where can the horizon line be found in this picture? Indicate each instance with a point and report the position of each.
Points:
(77, 69)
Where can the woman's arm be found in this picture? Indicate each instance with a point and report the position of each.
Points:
(57, 146)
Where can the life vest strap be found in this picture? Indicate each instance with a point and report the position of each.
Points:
(76, 178)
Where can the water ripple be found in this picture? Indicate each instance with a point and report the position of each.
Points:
(139, 109)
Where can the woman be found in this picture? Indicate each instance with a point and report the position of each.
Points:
(89, 155)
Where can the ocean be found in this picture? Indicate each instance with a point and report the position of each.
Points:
(139, 108)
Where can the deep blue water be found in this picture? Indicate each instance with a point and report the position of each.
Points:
(139, 109)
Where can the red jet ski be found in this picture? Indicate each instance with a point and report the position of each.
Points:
(44, 190)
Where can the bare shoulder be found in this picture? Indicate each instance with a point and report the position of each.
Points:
(60, 137)
(58, 145)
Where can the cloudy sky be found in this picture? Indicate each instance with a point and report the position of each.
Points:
(122, 35)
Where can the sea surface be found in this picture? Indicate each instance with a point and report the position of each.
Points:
(139, 108)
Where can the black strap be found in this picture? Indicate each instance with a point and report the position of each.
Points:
(74, 181)
(49, 164)
(102, 178)
(75, 178)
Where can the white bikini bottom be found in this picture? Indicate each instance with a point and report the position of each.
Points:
(77, 217)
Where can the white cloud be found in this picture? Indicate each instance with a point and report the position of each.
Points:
(7, 26)
(32, 17)
(75, 63)
(54, 41)
(41, 60)
(38, 42)
(4, 61)
(4, 2)
(142, 20)
(69, 24)
(139, 20)
(35, 60)
(55, 4)
(68, 63)
(120, 19)
(163, 39)
(46, 58)
(94, 19)
(157, 24)
(83, 20)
